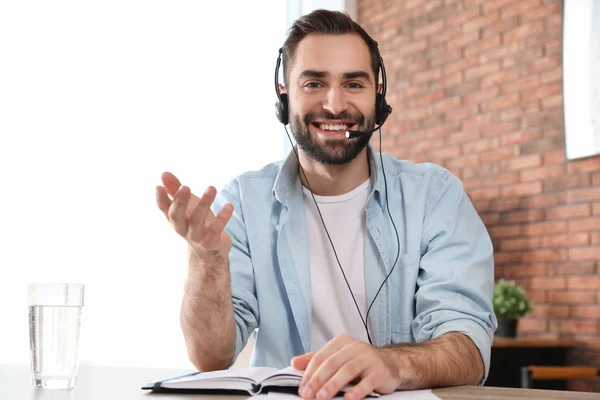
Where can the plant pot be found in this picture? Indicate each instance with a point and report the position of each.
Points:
(507, 328)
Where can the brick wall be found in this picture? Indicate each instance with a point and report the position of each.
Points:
(476, 87)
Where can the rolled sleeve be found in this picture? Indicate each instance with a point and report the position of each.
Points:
(243, 291)
(456, 275)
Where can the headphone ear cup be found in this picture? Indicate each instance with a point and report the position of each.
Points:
(382, 109)
(281, 109)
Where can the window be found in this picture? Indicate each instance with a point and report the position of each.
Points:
(96, 100)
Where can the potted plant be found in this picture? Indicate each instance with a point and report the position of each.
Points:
(510, 303)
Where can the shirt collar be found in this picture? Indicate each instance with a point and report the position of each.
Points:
(287, 178)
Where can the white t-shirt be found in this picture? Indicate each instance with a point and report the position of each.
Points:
(333, 310)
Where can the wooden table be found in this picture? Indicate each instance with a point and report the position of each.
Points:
(510, 354)
(117, 383)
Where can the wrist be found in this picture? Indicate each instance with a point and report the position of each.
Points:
(402, 365)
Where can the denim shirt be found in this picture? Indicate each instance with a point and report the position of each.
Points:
(442, 282)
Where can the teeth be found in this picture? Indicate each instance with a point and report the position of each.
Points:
(328, 127)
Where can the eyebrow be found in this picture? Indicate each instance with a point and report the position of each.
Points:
(311, 73)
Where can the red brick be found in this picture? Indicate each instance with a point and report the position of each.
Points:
(573, 326)
(499, 77)
(497, 4)
(461, 136)
(586, 312)
(546, 228)
(584, 224)
(587, 165)
(544, 200)
(537, 297)
(489, 218)
(596, 208)
(521, 162)
(542, 173)
(427, 30)
(540, 92)
(501, 102)
(577, 239)
(480, 145)
(509, 257)
(519, 8)
(474, 24)
(580, 268)
(553, 47)
(461, 41)
(570, 211)
(498, 27)
(532, 325)
(549, 311)
(541, 255)
(460, 66)
(463, 160)
(485, 193)
(499, 154)
(583, 195)
(522, 216)
(554, 157)
(427, 75)
(567, 182)
(504, 179)
(584, 282)
(518, 137)
(463, 16)
(526, 270)
(595, 237)
(572, 297)
(484, 94)
(521, 189)
(506, 204)
(505, 231)
(519, 244)
(584, 253)
(548, 283)
(520, 84)
(545, 64)
(541, 11)
(554, 75)
(499, 129)
(523, 31)
(555, 101)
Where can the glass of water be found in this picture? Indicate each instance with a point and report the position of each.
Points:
(54, 321)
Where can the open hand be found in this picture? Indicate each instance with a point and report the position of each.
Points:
(342, 361)
(192, 218)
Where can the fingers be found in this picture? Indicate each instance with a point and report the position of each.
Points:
(198, 217)
(176, 213)
(362, 389)
(170, 182)
(162, 200)
(327, 351)
(301, 362)
(215, 228)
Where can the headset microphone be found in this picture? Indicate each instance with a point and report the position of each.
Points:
(355, 134)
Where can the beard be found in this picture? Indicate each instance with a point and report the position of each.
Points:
(333, 151)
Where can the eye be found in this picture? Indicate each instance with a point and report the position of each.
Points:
(354, 85)
(313, 85)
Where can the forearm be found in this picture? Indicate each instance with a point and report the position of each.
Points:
(450, 360)
(207, 318)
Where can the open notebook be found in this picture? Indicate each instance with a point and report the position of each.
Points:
(235, 381)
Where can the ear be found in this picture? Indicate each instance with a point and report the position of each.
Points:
(380, 88)
(281, 88)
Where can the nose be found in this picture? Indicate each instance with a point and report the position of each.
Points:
(335, 101)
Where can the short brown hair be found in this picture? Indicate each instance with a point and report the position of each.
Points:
(326, 22)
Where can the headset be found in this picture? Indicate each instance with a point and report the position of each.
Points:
(382, 111)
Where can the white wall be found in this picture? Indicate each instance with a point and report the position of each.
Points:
(96, 100)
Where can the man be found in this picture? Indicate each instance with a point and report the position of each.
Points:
(266, 259)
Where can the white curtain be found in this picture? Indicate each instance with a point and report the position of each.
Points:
(96, 100)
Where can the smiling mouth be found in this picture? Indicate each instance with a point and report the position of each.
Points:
(339, 128)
